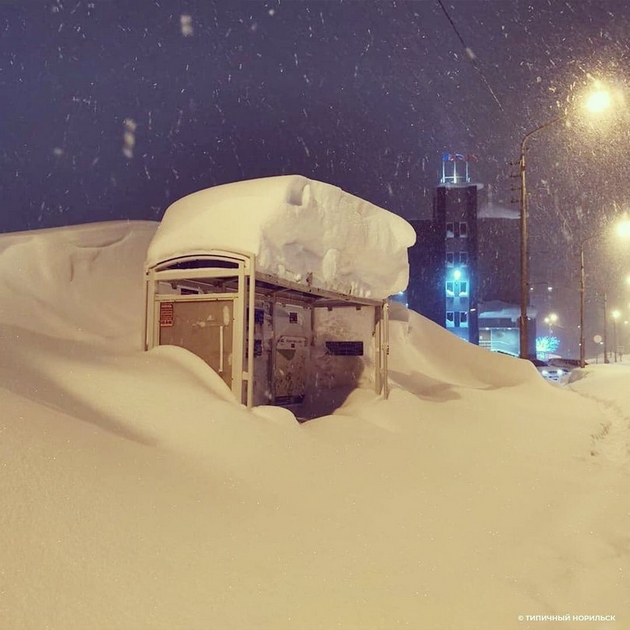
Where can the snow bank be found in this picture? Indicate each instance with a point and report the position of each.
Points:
(83, 282)
(297, 228)
(138, 494)
(609, 384)
(425, 355)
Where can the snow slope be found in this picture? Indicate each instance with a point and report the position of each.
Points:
(138, 494)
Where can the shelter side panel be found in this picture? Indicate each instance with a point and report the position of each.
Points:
(205, 328)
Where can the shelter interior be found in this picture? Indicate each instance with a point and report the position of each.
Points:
(272, 341)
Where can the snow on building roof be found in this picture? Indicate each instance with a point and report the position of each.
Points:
(494, 211)
(297, 228)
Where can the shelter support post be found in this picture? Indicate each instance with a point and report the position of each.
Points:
(381, 385)
(251, 279)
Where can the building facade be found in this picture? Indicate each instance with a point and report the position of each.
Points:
(443, 263)
(465, 266)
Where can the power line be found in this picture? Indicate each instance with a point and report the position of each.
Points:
(471, 56)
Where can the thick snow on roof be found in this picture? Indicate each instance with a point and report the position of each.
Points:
(297, 228)
(136, 492)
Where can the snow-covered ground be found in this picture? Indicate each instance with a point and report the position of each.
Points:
(136, 494)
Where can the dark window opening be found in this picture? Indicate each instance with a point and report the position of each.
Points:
(463, 258)
(293, 318)
(345, 348)
(450, 229)
(257, 348)
(463, 229)
(450, 258)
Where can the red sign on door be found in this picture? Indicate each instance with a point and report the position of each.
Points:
(166, 314)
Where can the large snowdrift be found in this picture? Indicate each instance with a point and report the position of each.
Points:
(298, 228)
(138, 494)
(83, 282)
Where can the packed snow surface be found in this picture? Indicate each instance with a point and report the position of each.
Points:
(138, 494)
(299, 229)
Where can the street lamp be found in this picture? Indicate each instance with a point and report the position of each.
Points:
(550, 320)
(623, 229)
(615, 315)
(524, 333)
(596, 102)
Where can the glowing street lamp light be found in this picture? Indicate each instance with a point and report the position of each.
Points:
(597, 102)
(623, 230)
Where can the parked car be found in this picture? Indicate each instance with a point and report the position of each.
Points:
(555, 369)
(552, 372)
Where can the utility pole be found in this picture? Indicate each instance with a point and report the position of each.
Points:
(606, 359)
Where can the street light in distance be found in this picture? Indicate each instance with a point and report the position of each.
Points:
(623, 230)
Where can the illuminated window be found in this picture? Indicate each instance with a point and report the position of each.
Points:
(462, 289)
(450, 258)
(463, 258)
(463, 319)
(463, 229)
(450, 288)
(450, 229)
(450, 319)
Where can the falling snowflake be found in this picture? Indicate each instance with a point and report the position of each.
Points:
(186, 25)
(129, 137)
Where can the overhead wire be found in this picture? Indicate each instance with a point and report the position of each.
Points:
(471, 56)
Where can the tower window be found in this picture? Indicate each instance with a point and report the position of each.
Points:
(463, 319)
(450, 258)
(463, 258)
(450, 288)
(450, 319)
(450, 229)
(463, 229)
(463, 288)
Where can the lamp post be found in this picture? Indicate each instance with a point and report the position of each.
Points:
(524, 333)
(615, 316)
(606, 359)
(582, 303)
(623, 230)
(596, 102)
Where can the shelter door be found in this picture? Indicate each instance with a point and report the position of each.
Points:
(205, 327)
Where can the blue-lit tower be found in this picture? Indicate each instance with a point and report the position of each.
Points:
(443, 263)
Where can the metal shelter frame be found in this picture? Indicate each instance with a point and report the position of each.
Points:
(231, 275)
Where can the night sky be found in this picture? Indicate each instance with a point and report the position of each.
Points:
(112, 110)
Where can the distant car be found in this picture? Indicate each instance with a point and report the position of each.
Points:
(555, 369)
(552, 372)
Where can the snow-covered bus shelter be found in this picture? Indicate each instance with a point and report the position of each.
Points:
(280, 285)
